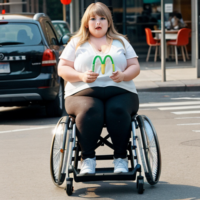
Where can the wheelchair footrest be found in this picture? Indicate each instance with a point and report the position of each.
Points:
(103, 174)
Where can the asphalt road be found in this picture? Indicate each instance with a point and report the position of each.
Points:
(25, 138)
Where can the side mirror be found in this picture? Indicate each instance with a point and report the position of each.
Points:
(65, 39)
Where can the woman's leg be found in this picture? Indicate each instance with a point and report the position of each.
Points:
(118, 112)
(89, 114)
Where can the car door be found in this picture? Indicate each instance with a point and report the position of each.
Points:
(53, 39)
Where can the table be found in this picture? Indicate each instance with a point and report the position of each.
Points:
(169, 35)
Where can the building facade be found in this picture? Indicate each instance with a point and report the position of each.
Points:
(130, 18)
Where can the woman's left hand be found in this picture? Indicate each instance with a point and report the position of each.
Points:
(117, 76)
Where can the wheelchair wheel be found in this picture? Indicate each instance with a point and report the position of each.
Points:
(57, 151)
(140, 184)
(151, 150)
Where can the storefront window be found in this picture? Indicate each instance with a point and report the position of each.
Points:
(131, 17)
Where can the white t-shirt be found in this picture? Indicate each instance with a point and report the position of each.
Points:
(83, 58)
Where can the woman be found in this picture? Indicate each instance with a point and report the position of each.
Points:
(95, 98)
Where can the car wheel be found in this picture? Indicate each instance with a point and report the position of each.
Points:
(55, 108)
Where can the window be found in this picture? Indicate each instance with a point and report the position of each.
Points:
(51, 37)
(25, 33)
(58, 29)
(64, 28)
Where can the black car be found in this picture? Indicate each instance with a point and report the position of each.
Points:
(29, 53)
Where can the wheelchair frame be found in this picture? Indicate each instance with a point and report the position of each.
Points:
(70, 145)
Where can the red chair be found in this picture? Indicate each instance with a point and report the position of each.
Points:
(182, 40)
(151, 42)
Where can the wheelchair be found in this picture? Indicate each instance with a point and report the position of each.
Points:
(143, 145)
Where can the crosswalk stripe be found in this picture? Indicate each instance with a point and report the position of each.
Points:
(186, 117)
(169, 104)
(190, 124)
(26, 129)
(186, 98)
(186, 112)
(196, 131)
(179, 108)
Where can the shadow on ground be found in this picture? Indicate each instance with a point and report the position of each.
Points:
(124, 190)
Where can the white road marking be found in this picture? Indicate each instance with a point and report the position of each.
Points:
(186, 117)
(186, 112)
(169, 104)
(196, 131)
(26, 129)
(190, 124)
(186, 98)
(178, 108)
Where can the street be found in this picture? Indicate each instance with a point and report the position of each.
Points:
(25, 139)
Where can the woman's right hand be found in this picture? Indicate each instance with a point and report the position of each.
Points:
(89, 76)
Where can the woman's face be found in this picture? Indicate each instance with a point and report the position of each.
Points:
(98, 26)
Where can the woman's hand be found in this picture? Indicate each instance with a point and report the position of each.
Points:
(117, 76)
(89, 76)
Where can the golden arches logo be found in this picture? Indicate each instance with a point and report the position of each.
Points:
(103, 63)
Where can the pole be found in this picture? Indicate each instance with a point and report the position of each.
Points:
(32, 6)
(124, 17)
(163, 68)
(44, 7)
(71, 17)
(64, 13)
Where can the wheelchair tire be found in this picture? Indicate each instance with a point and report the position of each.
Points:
(140, 184)
(151, 150)
(69, 186)
(57, 151)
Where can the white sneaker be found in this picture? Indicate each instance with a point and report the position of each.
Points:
(121, 165)
(88, 166)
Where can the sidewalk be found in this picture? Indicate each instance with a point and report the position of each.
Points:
(178, 78)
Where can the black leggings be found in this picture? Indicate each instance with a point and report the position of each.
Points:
(98, 105)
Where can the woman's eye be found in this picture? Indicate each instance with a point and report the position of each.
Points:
(92, 18)
(102, 18)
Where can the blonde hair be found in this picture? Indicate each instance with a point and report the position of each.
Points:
(101, 10)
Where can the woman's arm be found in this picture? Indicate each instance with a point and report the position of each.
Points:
(132, 70)
(68, 73)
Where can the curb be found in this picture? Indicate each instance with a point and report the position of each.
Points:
(170, 86)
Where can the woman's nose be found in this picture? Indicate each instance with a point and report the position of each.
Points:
(98, 21)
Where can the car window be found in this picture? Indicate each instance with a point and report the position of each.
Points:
(58, 29)
(25, 33)
(64, 28)
(51, 37)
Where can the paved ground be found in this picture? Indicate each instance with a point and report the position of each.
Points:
(25, 138)
(182, 77)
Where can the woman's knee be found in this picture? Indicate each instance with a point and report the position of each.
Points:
(116, 110)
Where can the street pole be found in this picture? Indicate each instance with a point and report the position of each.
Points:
(124, 17)
(163, 67)
(64, 13)
(44, 7)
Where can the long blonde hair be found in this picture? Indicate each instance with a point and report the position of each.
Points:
(101, 10)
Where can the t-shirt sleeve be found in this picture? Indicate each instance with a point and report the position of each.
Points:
(130, 52)
(69, 51)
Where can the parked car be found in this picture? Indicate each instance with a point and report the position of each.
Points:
(62, 27)
(29, 53)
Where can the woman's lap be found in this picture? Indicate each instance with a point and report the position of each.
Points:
(112, 106)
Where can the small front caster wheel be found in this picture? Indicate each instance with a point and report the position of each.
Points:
(69, 186)
(140, 184)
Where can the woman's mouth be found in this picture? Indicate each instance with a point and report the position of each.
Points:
(98, 28)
